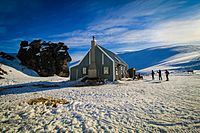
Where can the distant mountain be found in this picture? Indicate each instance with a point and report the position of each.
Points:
(164, 57)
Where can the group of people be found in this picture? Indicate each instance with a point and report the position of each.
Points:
(160, 75)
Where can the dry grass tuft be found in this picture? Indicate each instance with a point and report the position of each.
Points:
(49, 101)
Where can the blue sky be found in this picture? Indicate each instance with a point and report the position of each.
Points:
(119, 25)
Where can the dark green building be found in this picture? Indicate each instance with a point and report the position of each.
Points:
(99, 63)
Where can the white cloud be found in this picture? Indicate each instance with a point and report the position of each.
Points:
(164, 32)
(114, 30)
(180, 31)
(77, 41)
(141, 24)
(127, 15)
(170, 32)
(77, 56)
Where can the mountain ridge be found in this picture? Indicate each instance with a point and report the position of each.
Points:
(164, 57)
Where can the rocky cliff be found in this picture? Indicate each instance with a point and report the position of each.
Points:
(46, 58)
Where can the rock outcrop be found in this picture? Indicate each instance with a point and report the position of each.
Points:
(6, 56)
(45, 58)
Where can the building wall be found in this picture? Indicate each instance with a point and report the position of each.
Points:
(73, 73)
(121, 71)
(85, 63)
(100, 66)
(76, 72)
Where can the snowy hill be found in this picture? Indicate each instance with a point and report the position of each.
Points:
(16, 64)
(165, 57)
(14, 73)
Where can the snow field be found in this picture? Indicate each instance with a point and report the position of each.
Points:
(126, 106)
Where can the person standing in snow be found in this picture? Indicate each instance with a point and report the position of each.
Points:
(152, 74)
(167, 75)
(159, 74)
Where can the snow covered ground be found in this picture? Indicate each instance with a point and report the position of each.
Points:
(124, 106)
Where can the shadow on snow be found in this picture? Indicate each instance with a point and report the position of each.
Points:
(34, 87)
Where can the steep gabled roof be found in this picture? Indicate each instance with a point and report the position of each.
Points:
(113, 56)
(79, 62)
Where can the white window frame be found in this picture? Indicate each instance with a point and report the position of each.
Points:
(102, 56)
(106, 70)
(84, 70)
(113, 62)
(116, 71)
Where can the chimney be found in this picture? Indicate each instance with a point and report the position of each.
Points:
(93, 42)
(92, 72)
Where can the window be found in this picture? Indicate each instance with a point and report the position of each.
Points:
(84, 70)
(105, 70)
(116, 70)
(102, 56)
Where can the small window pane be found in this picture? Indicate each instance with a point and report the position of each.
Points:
(102, 59)
(116, 70)
(105, 70)
(84, 70)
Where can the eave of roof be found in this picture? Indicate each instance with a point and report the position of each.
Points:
(113, 56)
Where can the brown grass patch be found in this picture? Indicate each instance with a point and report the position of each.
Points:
(49, 101)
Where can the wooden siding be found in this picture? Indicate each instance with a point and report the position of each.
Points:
(107, 63)
(76, 71)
